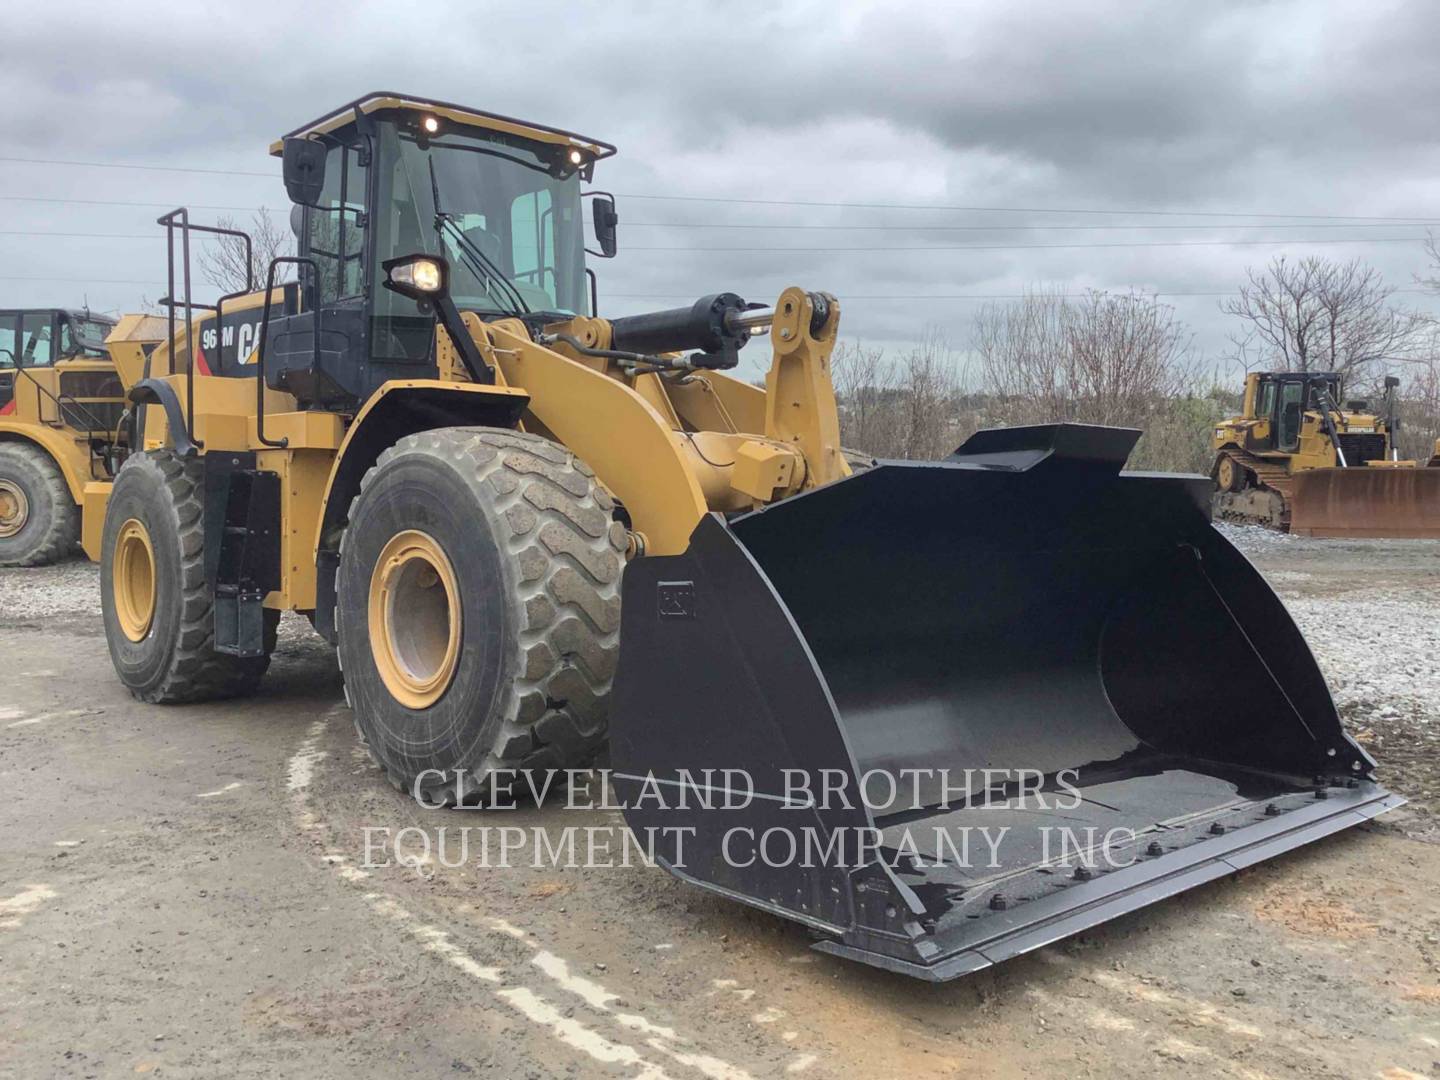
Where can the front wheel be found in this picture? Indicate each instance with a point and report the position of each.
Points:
(478, 610)
(159, 610)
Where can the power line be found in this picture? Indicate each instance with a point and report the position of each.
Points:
(1016, 228)
(114, 202)
(1014, 209)
(129, 165)
(1034, 247)
(844, 297)
(78, 280)
(792, 226)
(792, 202)
(848, 297)
(1286, 241)
(156, 235)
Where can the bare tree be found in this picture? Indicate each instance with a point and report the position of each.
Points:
(1102, 359)
(1431, 280)
(222, 258)
(905, 408)
(1321, 315)
(1118, 359)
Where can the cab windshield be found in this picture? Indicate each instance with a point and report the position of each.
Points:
(509, 228)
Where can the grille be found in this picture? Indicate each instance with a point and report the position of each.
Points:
(1362, 448)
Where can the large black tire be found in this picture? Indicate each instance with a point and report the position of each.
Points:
(175, 661)
(35, 503)
(535, 559)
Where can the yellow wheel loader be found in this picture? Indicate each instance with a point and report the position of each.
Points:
(61, 404)
(529, 529)
(1295, 461)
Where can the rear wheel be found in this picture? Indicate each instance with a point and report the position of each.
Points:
(39, 521)
(478, 610)
(1229, 474)
(157, 606)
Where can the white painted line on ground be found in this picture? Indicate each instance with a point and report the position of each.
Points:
(220, 791)
(14, 909)
(302, 765)
(578, 1036)
(6, 714)
(301, 774)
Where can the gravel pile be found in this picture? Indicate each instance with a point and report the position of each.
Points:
(1380, 653)
(44, 592)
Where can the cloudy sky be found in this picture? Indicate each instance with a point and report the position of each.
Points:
(943, 152)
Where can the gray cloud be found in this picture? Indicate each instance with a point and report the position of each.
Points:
(1292, 107)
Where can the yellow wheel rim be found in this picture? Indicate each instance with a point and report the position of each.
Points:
(14, 508)
(133, 580)
(414, 614)
(1227, 474)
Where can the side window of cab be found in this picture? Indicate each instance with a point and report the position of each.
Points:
(335, 233)
(9, 335)
(37, 349)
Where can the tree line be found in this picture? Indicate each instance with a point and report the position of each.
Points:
(1126, 359)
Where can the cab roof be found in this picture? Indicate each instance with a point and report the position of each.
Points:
(463, 115)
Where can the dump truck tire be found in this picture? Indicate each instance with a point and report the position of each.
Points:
(478, 611)
(158, 608)
(39, 521)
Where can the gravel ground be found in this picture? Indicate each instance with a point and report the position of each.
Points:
(182, 894)
(1370, 610)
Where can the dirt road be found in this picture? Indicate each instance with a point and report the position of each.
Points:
(184, 892)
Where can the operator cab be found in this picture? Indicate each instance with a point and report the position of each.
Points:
(1284, 397)
(39, 337)
(496, 201)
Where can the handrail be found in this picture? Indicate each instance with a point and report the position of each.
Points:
(59, 400)
(181, 217)
(292, 260)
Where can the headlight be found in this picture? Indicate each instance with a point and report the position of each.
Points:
(422, 274)
(416, 276)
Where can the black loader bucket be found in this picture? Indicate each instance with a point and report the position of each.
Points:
(945, 713)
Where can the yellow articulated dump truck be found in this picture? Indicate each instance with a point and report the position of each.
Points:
(1295, 461)
(531, 530)
(61, 404)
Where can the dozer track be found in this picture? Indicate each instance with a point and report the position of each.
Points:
(1267, 502)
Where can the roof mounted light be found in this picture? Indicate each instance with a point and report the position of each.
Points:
(430, 124)
(576, 157)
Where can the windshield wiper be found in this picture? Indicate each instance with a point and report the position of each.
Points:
(479, 264)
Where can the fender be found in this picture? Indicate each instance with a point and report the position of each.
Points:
(398, 409)
(159, 392)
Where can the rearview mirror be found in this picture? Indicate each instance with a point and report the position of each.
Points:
(303, 168)
(606, 220)
(1391, 382)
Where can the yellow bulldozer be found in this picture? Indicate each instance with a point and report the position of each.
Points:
(61, 405)
(1296, 461)
(532, 531)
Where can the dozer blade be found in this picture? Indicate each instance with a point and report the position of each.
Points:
(859, 656)
(1389, 501)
